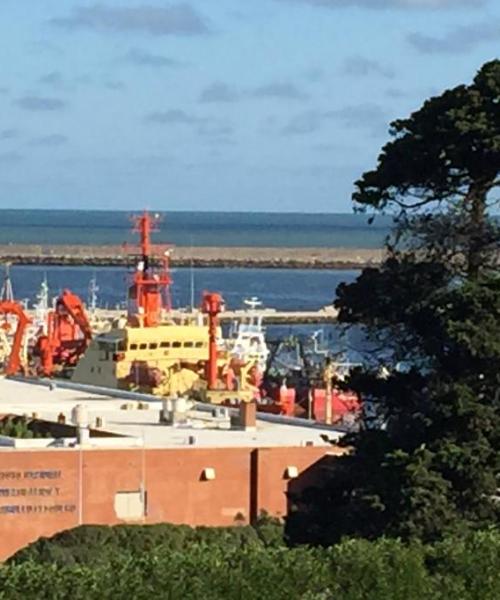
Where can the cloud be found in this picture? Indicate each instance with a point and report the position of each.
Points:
(458, 40)
(54, 79)
(369, 116)
(222, 92)
(313, 74)
(173, 117)
(304, 123)
(4, 90)
(38, 103)
(385, 4)
(215, 129)
(141, 58)
(114, 85)
(394, 92)
(288, 91)
(219, 92)
(362, 115)
(206, 127)
(49, 140)
(45, 47)
(176, 19)
(10, 157)
(359, 66)
(8, 134)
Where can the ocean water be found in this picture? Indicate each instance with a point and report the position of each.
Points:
(283, 289)
(52, 227)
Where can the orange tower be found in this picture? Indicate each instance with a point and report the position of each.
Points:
(149, 293)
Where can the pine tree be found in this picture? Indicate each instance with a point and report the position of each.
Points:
(434, 306)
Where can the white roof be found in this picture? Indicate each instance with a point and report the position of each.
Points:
(19, 397)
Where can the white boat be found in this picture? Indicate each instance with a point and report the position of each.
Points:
(247, 339)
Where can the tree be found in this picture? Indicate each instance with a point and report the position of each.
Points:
(434, 308)
(441, 172)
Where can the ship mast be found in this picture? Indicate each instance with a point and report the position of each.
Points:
(92, 299)
(42, 305)
(7, 293)
(149, 293)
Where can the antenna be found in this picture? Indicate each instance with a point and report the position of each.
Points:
(191, 274)
(93, 289)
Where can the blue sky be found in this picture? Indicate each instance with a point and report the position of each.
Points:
(273, 105)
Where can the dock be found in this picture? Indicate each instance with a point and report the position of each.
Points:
(197, 257)
(270, 316)
(328, 314)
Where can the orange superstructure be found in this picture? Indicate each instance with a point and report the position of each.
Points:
(149, 293)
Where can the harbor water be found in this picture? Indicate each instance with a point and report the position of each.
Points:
(283, 289)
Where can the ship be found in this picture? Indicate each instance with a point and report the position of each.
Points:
(151, 352)
(247, 336)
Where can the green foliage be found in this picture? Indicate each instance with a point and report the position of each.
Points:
(215, 564)
(440, 173)
(90, 543)
(20, 428)
(442, 151)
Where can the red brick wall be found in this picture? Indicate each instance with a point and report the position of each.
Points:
(40, 491)
(27, 511)
(177, 492)
(272, 483)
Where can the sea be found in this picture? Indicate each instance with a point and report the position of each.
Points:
(52, 227)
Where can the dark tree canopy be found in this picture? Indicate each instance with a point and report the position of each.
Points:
(441, 171)
(429, 461)
(448, 150)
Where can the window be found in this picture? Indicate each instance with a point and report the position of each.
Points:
(143, 346)
(199, 345)
(165, 345)
(188, 344)
(176, 344)
(153, 346)
(133, 347)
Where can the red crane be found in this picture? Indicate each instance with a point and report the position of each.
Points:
(68, 334)
(150, 289)
(9, 307)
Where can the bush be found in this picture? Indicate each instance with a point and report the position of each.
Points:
(170, 561)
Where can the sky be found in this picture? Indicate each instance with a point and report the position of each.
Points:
(263, 105)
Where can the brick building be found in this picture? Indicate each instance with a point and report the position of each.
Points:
(137, 468)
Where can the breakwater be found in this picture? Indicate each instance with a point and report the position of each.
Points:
(182, 256)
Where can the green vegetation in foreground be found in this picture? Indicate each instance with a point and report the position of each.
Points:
(177, 562)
